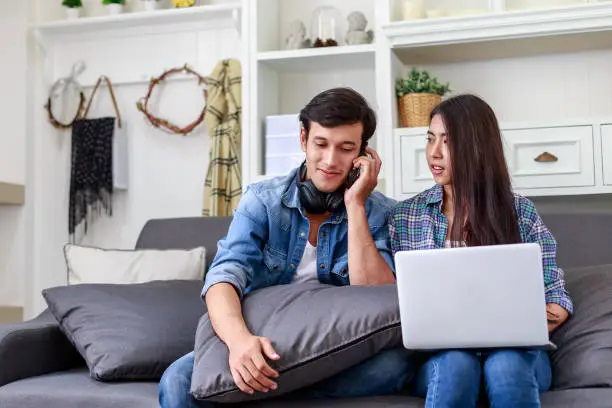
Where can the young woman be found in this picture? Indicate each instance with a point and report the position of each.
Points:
(472, 203)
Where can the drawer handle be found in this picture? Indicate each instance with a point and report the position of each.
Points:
(546, 158)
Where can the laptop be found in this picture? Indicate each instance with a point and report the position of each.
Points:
(483, 297)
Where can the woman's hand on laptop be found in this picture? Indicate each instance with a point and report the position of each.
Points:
(556, 315)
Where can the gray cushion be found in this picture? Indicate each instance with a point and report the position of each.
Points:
(75, 389)
(584, 357)
(184, 233)
(318, 331)
(129, 331)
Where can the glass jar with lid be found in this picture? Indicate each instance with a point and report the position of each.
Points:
(327, 28)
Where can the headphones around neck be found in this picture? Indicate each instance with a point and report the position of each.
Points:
(318, 202)
(315, 201)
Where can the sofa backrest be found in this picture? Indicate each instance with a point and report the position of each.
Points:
(184, 233)
(583, 238)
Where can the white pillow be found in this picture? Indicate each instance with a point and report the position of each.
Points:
(116, 266)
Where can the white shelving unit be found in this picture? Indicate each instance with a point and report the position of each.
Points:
(490, 47)
(475, 34)
(483, 52)
(182, 19)
(319, 59)
(280, 81)
(114, 44)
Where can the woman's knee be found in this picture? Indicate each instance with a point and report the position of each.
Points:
(511, 376)
(504, 363)
(459, 363)
(453, 366)
(450, 378)
(513, 366)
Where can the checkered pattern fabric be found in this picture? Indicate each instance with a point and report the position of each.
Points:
(418, 223)
(223, 184)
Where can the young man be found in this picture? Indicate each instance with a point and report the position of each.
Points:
(307, 226)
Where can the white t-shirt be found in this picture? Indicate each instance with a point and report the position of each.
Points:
(307, 269)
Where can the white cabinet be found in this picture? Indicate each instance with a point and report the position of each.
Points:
(550, 157)
(412, 164)
(543, 159)
(606, 150)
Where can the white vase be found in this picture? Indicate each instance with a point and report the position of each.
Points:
(114, 8)
(413, 9)
(149, 5)
(73, 12)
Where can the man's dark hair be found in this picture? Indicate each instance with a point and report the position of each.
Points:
(337, 107)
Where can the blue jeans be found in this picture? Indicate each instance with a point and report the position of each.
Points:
(386, 373)
(512, 378)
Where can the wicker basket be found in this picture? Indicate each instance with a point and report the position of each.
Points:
(414, 109)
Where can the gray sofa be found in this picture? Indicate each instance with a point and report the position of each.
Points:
(40, 368)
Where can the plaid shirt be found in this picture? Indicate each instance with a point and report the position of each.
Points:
(418, 223)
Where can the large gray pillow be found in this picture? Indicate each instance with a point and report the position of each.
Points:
(318, 331)
(584, 355)
(129, 331)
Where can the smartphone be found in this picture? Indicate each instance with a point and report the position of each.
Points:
(354, 174)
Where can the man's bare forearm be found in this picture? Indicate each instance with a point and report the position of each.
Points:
(366, 265)
(225, 312)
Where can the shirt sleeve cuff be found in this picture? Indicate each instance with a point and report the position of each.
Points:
(562, 300)
(213, 280)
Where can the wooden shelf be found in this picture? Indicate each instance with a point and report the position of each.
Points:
(320, 59)
(178, 19)
(504, 34)
(12, 194)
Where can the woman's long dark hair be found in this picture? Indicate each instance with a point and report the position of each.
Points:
(482, 191)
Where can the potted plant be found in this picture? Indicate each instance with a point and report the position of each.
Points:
(114, 6)
(149, 5)
(418, 93)
(73, 8)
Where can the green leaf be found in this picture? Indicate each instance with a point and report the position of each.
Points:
(72, 3)
(420, 81)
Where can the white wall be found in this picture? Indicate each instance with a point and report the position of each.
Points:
(166, 173)
(13, 26)
(543, 88)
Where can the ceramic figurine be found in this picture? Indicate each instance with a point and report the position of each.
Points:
(357, 33)
(297, 36)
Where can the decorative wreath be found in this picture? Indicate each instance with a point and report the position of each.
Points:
(56, 123)
(143, 103)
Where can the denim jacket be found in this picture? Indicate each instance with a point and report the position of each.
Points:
(268, 233)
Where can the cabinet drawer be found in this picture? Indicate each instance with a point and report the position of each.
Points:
(550, 157)
(606, 149)
(415, 174)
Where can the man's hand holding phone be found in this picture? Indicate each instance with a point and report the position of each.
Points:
(368, 166)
